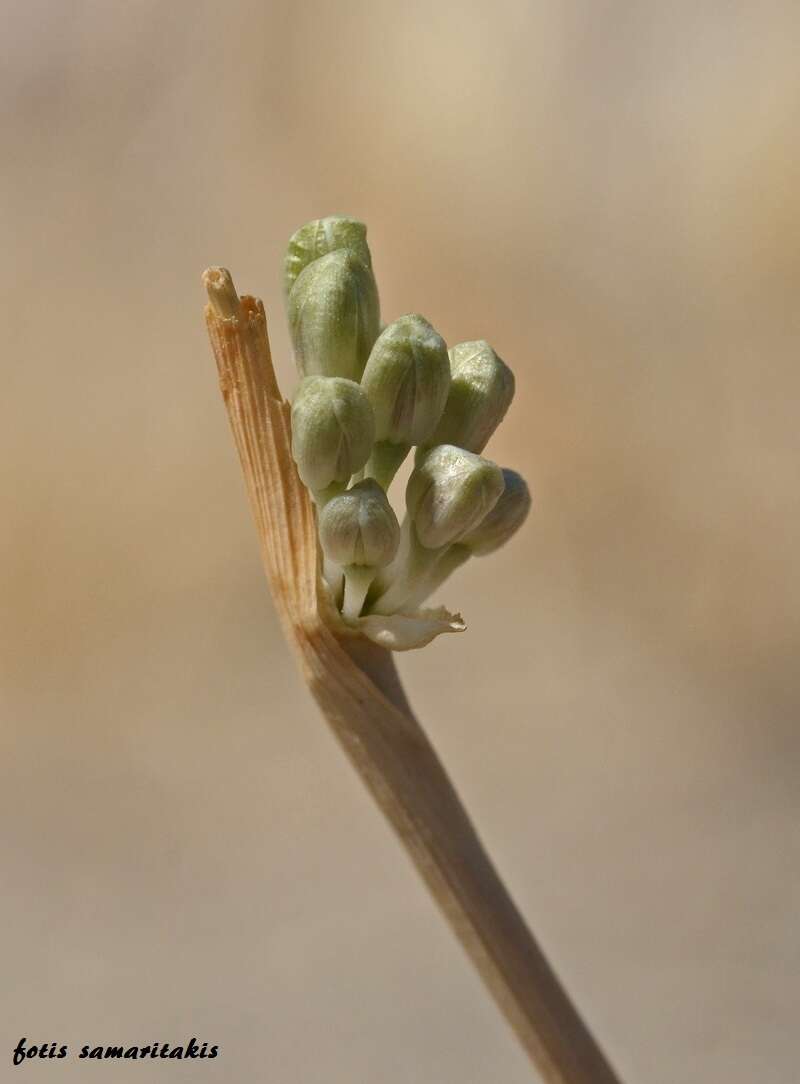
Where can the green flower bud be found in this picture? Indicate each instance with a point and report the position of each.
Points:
(481, 391)
(359, 527)
(449, 493)
(407, 378)
(332, 430)
(320, 237)
(494, 531)
(334, 316)
(505, 518)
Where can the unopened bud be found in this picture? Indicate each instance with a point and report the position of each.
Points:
(481, 391)
(407, 378)
(320, 237)
(334, 316)
(449, 493)
(505, 518)
(332, 430)
(359, 527)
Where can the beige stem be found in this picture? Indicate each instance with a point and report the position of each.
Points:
(356, 685)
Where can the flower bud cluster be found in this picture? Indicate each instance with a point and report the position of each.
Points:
(366, 397)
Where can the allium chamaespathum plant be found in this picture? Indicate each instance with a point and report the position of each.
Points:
(349, 581)
(367, 396)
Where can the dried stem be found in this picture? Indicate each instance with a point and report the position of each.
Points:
(357, 688)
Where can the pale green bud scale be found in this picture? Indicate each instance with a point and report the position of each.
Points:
(320, 237)
(449, 493)
(504, 520)
(407, 379)
(332, 430)
(334, 316)
(359, 527)
(481, 391)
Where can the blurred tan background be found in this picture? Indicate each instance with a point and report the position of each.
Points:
(606, 191)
